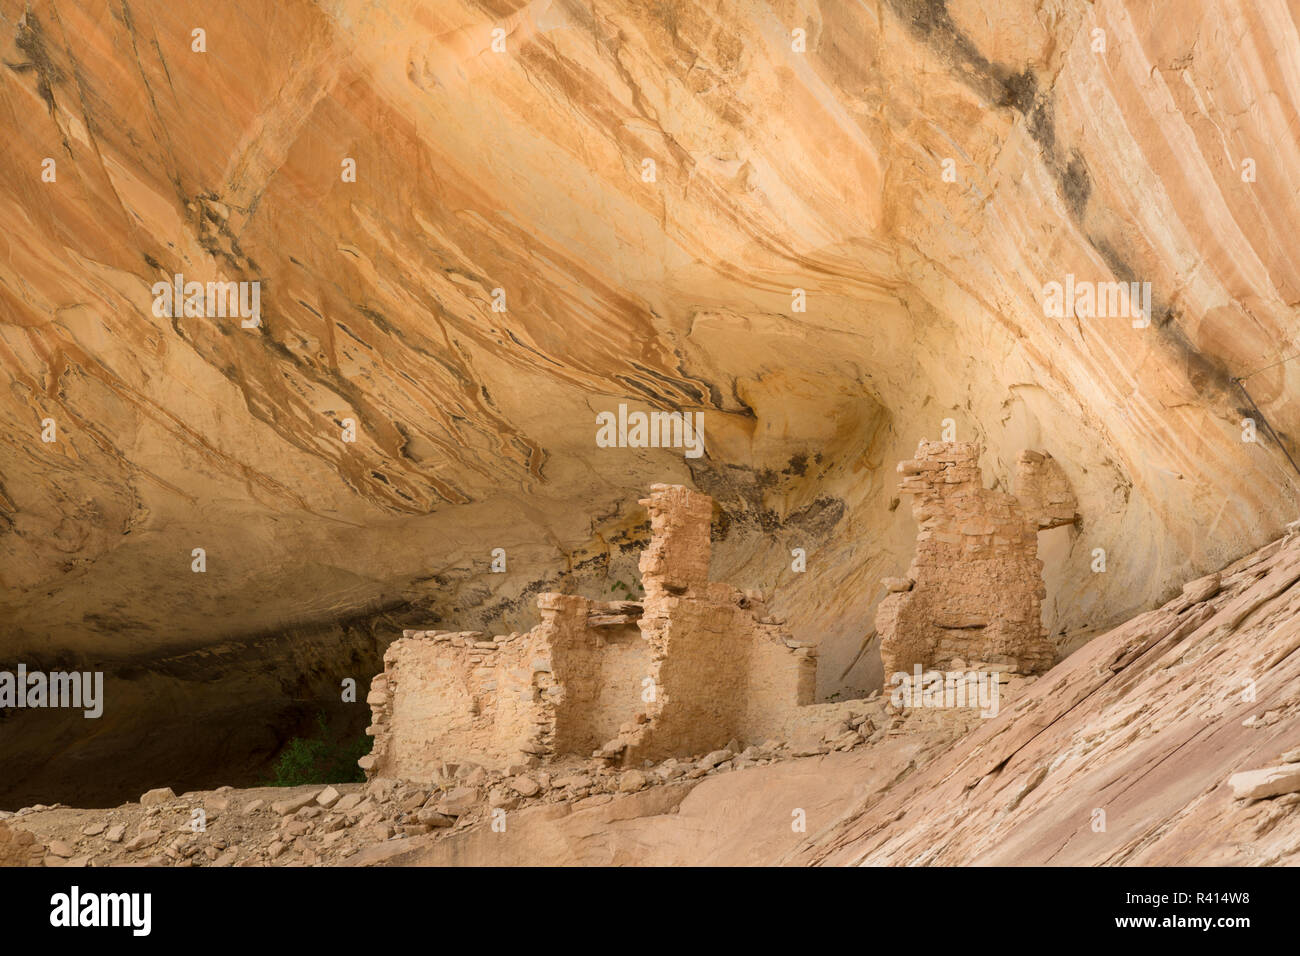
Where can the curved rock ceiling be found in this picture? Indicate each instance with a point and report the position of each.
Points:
(1105, 141)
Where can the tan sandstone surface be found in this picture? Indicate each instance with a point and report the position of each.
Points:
(1142, 748)
(1105, 141)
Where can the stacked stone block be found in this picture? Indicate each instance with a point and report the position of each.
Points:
(974, 590)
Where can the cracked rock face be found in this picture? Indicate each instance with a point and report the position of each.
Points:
(660, 206)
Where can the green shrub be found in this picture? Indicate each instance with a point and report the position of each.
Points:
(320, 759)
(628, 593)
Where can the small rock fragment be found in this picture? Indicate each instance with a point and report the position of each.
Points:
(432, 818)
(1265, 783)
(524, 785)
(711, 760)
(458, 801)
(145, 838)
(348, 802)
(631, 781)
(157, 797)
(292, 804)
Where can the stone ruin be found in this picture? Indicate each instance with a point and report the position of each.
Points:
(973, 594)
(693, 666)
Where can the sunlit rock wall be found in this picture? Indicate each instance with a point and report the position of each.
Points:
(825, 242)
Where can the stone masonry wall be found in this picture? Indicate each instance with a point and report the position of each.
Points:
(694, 666)
(600, 660)
(782, 684)
(975, 586)
(567, 685)
(1044, 491)
(718, 672)
(446, 694)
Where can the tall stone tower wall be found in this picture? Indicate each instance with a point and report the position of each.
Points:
(974, 590)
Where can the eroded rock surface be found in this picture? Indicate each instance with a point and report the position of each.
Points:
(19, 847)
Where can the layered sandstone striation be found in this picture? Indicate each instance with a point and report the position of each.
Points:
(973, 593)
(1165, 153)
(693, 666)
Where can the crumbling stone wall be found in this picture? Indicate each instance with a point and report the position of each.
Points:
(567, 686)
(677, 559)
(600, 661)
(700, 660)
(445, 694)
(718, 672)
(694, 666)
(974, 590)
(782, 682)
(1044, 491)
